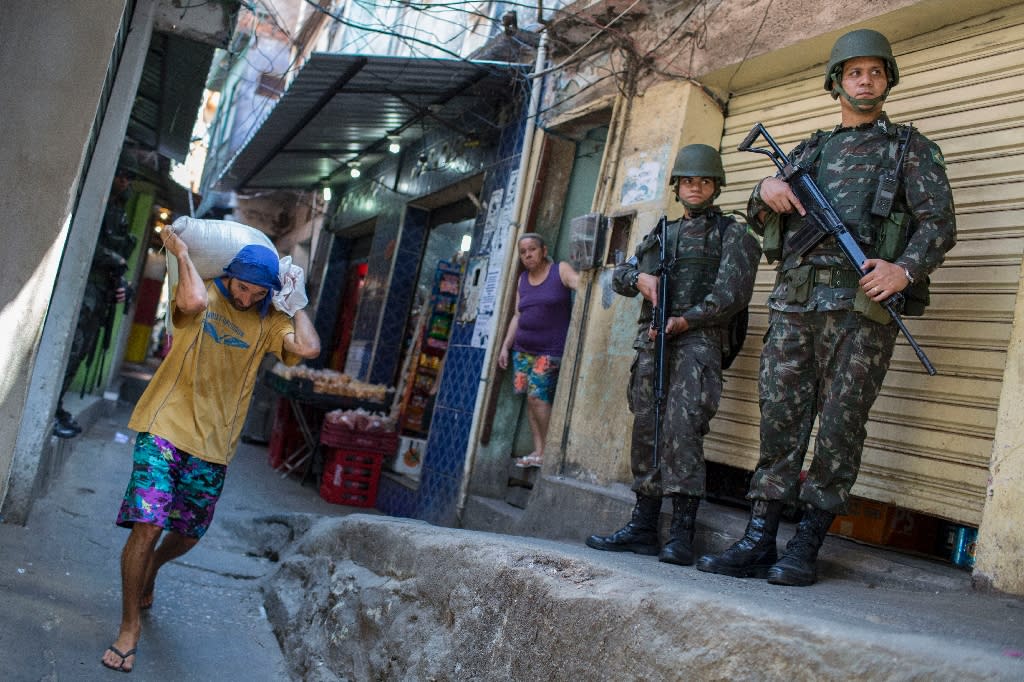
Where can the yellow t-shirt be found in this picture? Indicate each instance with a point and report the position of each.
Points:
(199, 396)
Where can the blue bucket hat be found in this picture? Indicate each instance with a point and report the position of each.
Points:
(257, 265)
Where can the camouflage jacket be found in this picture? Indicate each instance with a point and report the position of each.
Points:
(845, 164)
(713, 261)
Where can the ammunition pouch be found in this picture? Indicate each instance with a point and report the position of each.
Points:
(800, 281)
(892, 240)
(869, 309)
(799, 284)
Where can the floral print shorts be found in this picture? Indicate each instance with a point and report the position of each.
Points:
(536, 375)
(170, 488)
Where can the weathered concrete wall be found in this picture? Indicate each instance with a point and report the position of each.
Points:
(1001, 537)
(372, 598)
(53, 59)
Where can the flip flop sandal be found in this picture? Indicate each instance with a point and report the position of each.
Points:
(124, 657)
(529, 461)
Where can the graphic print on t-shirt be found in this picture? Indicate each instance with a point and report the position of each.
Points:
(223, 330)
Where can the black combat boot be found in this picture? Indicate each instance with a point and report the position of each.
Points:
(679, 548)
(797, 566)
(640, 535)
(755, 552)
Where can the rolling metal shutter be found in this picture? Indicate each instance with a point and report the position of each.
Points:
(929, 438)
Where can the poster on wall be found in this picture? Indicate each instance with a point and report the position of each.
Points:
(500, 233)
(645, 176)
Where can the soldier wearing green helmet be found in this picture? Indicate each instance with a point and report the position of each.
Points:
(829, 342)
(713, 262)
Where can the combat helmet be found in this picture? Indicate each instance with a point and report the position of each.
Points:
(860, 43)
(698, 161)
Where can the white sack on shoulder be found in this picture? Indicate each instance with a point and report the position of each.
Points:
(211, 246)
(213, 243)
(292, 297)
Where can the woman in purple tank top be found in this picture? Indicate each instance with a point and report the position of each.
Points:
(536, 335)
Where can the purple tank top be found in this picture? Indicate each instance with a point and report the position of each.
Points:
(544, 312)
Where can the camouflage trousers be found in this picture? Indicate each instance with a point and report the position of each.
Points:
(693, 389)
(828, 365)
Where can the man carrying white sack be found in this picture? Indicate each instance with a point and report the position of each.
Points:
(190, 417)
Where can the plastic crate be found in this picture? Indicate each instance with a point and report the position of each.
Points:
(339, 436)
(285, 436)
(351, 477)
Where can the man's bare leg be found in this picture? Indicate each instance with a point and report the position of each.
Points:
(172, 546)
(135, 559)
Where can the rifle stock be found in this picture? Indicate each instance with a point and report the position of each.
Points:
(825, 221)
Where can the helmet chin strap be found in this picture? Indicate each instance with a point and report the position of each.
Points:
(859, 104)
(696, 208)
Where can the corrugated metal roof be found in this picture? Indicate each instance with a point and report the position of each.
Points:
(343, 107)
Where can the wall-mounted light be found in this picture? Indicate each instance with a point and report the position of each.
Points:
(353, 169)
(327, 192)
(467, 241)
(394, 144)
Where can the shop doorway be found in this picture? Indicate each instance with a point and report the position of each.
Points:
(566, 182)
(587, 152)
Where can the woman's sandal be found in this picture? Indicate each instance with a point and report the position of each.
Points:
(529, 461)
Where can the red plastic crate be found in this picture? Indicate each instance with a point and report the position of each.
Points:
(339, 436)
(351, 477)
(285, 436)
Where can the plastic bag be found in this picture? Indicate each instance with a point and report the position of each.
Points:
(292, 296)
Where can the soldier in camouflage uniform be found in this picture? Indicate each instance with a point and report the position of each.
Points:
(829, 343)
(105, 288)
(713, 260)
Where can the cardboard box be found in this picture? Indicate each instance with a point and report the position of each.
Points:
(409, 459)
(866, 520)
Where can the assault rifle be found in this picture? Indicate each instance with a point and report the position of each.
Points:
(658, 324)
(823, 221)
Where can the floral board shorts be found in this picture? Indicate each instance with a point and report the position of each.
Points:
(170, 488)
(536, 375)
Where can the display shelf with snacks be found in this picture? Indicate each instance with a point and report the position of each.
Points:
(429, 349)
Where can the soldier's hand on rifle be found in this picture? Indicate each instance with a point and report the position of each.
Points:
(780, 197)
(883, 279)
(673, 326)
(647, 285)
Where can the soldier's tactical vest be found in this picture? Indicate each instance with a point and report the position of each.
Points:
(694, 253)
(851, 191)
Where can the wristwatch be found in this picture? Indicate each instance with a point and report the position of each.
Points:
(906, 272)
(634, 278)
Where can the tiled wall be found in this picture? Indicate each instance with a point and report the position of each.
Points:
(399, 297)
(329, 300)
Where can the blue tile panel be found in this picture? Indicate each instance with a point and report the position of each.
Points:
(400, 293)
(395, 499)
(438, 498)
(329, 298)
(461, 378)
